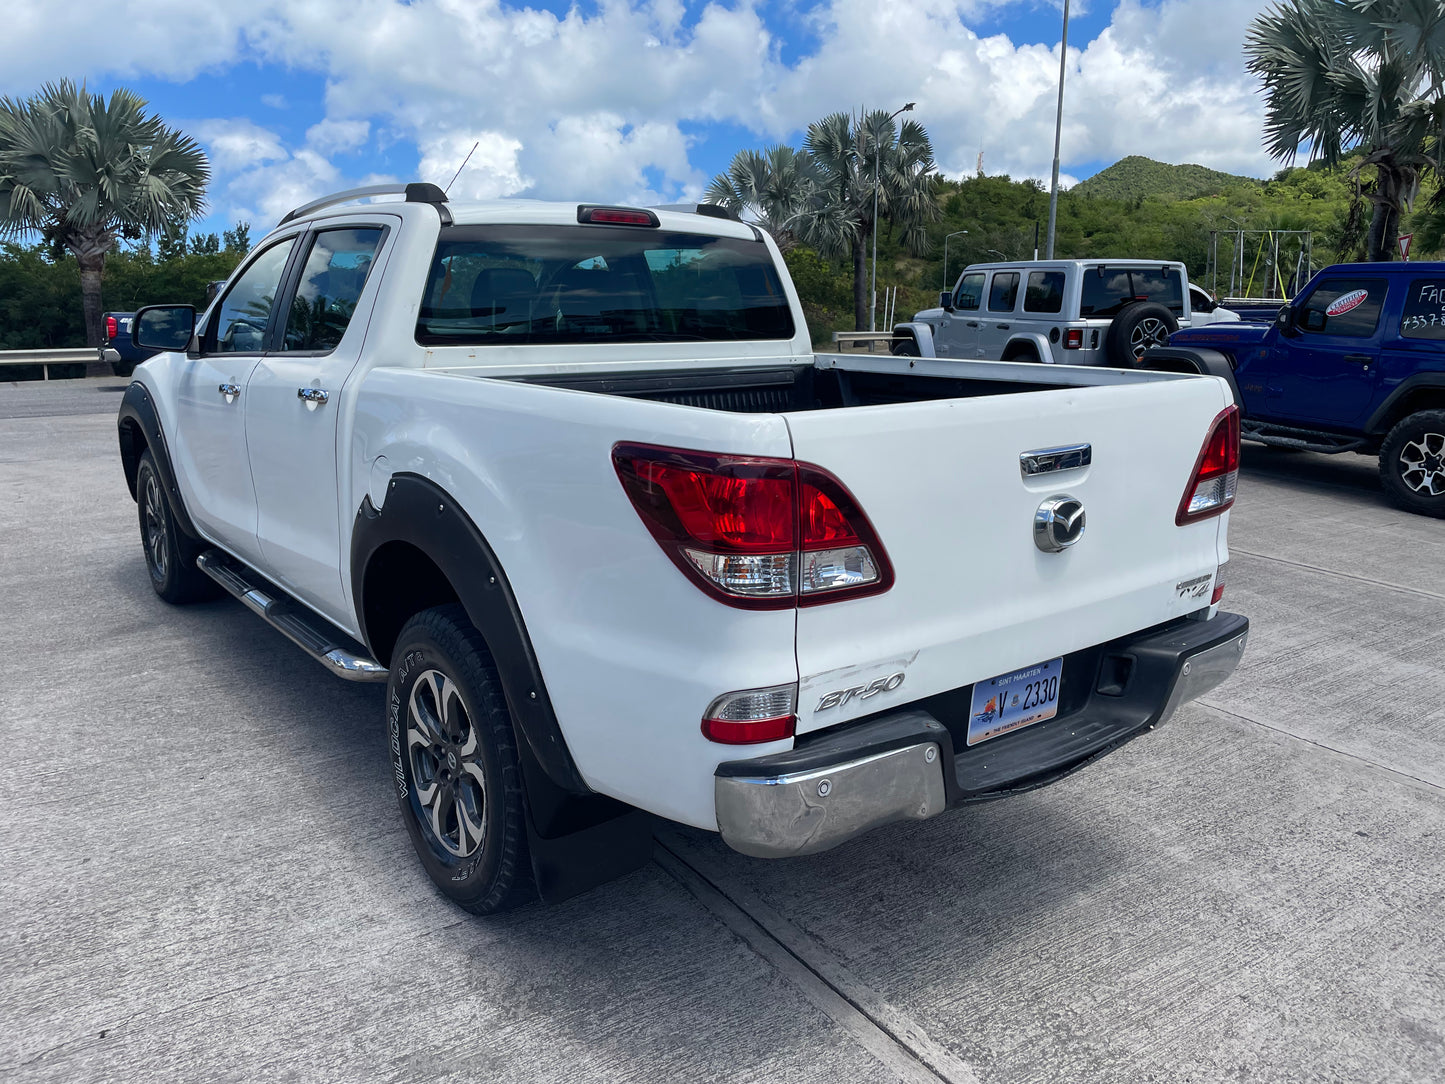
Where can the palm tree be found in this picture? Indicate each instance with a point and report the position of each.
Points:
(82, 172)
(1365, 76)
(824, 196)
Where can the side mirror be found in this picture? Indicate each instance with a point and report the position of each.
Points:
(163, 327)
(945, 300)
(1284, 319)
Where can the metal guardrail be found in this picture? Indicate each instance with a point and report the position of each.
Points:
(46, 358)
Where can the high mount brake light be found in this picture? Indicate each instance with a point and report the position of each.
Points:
(1215, 479)
(754, 532)
(616, 216)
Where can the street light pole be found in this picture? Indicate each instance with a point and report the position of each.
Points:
(1058, 133)
(955, 233)
(873, 289)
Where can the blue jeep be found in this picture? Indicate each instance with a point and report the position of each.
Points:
(1356, 363)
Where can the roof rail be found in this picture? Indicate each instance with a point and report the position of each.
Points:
(415, 192)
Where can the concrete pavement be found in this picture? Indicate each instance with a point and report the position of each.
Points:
(205, 876)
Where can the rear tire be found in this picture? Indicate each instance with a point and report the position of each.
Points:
(1136, 328)
(1412, 464)
(454, 763)
(170, 555)
(908, 348)
(1023, 353)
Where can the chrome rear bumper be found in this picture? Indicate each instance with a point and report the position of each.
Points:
(903, 766)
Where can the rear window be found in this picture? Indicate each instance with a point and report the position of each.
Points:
(1106, 290)
(1424, 315)
(573, 284)
(1003, 291)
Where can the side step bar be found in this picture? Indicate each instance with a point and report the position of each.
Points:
(316, 636)
(1305, 440)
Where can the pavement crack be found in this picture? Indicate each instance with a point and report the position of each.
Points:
(1343, 575)
(898, 1043)
(1321, 745)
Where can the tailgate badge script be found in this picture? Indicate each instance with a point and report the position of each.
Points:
(1058, 523)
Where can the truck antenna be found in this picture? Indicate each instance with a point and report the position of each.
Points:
(461, 167)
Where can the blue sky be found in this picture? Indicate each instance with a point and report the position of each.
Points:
(640, 100)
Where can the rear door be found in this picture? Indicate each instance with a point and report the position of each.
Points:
(997, 322)
(974, 595)
(1327, 371)
(957, 335)
(291, 416)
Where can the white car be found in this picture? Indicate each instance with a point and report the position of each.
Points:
(570, 480)
(1069, 312)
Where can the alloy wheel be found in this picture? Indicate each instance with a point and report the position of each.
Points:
(1151, 331)
(157, 548)
(1422, 464)
(443, 754)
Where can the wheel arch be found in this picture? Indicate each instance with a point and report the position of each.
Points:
(921, 333)
(1423, 391)
(421, 549)
(138, 428)
(1029, 342)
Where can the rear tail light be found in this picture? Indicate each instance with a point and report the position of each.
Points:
(110, 327)
(1216, 472)
(1073, 338)
(1218, 585)
(752, 715)
(754, 532)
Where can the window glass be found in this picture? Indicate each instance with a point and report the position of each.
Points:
(1424, 316)
(1045, 292)
(1343, 307)
(1003, 291)
(239, 326)
(1105, 290)
(560, 284)
(330, 286)
(969, 295)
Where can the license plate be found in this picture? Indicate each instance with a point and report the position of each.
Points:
(1012, 701)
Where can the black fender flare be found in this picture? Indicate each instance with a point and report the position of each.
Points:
(1200, 359)
(1379, 422)
(420, 513)
(137, 415)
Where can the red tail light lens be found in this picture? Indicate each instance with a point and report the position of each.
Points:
(111, 327)
(754, 532)
(1212, 487)
(1073, 338)
(616, 216)
(1218, 585)
(752, 715)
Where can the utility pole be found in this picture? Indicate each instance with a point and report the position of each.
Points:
(873, 290)
(1058, 133)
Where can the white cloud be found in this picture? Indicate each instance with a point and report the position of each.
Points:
(593, 104)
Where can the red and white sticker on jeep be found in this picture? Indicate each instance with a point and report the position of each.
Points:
(1345, 302)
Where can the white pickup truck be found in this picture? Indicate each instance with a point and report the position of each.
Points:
(571, 480)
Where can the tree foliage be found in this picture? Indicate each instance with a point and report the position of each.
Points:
(83, 172)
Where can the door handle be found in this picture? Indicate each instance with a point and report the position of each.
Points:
(1360, 359)
(313, 395)
(1001, 327)
(973, 323)
(230, 391)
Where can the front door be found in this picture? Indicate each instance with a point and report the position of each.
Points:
(1325, 373)
(291, 416)
(209, 442)
(957, 335)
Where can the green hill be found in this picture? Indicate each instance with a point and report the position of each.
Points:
(1137, 177)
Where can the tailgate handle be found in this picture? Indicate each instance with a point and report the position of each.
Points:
(1048, 460)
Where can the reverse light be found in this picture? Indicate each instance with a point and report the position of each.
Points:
(752, 531)
(1073, 338)
(111, 327)
(1215, 479)
(752, 715)
(1218, 585)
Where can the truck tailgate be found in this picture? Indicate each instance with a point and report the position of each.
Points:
(974, 596)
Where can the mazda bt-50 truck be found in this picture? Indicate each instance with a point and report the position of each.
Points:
(570, 480)
(1355, 363)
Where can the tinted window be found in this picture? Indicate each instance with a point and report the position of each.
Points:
(969, 295)
(1003, 291)
(560, 284)
(330, 285)
(1424, 316)
(1045, 292)
(239, 325)
(1343, 307)
(1105, 290)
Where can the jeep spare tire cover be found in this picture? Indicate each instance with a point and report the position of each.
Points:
(1136, 328)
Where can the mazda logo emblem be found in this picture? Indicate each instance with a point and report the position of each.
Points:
(1058, 523)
